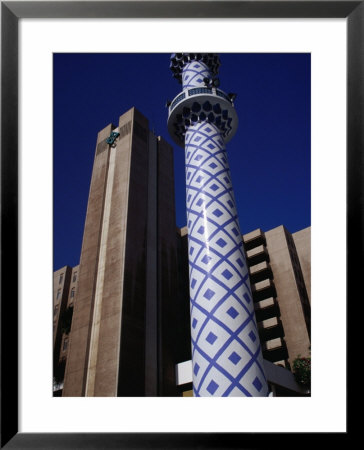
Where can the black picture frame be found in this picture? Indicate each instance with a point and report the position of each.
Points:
(11, 12)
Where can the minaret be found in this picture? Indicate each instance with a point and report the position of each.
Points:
(226, 352)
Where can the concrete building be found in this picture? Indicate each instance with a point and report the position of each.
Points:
(120, 326)
(130, 333)
(279, 290)
(65, 282)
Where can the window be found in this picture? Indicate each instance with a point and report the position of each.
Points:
(74, 277)
(65, 344)
(72, 292)
(58, 293)
(61, 278)
(55, 310)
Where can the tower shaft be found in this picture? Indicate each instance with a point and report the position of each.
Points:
(226, 352)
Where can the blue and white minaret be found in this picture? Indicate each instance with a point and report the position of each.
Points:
(226, 353)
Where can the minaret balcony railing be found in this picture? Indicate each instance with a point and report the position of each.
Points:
(196, 91)
(175, 102)
(201, 104)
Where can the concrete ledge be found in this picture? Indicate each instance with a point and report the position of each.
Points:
(264, 304)
(252, 235)
(258, 267)
(272, 322)
(265, 284)
(255, 251)
(272, 344)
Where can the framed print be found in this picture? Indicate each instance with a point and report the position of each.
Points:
(27, 28)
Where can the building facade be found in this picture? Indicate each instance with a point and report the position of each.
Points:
(65, 282)
(128, 256)
(130, 293)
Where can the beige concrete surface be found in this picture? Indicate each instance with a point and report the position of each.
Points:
(302, 240)
(288, 296)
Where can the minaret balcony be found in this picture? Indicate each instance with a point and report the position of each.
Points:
(201, 104)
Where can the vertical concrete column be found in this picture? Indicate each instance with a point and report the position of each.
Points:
(79, 345)
(226, 352)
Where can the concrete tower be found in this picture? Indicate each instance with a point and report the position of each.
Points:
(226, 352)
(120, 342)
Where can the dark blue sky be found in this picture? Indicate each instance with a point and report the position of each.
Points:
(269, 155)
